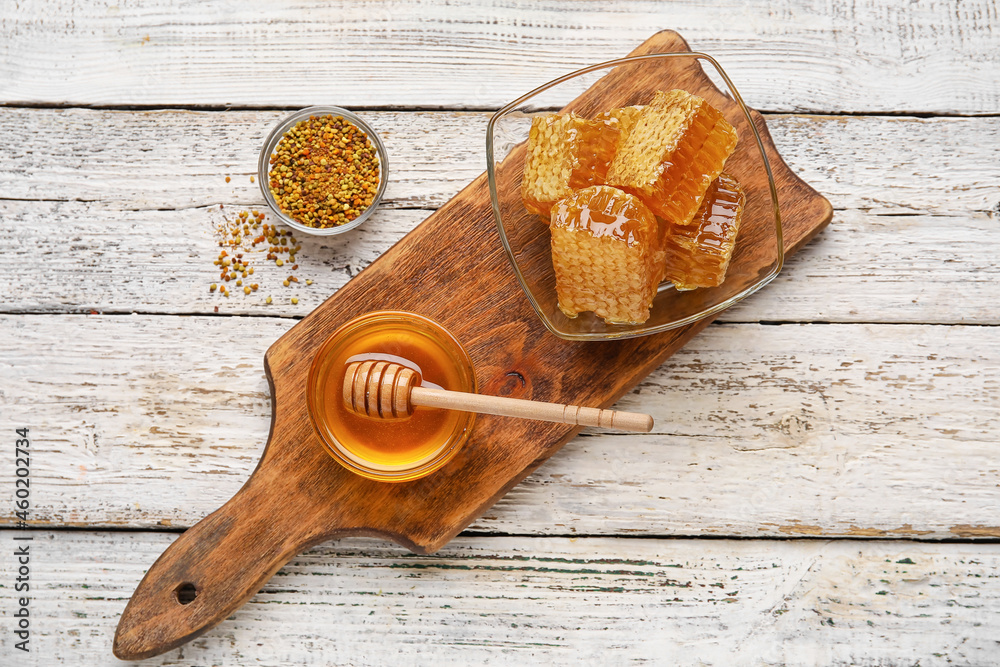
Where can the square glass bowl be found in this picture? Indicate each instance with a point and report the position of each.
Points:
(758, 255)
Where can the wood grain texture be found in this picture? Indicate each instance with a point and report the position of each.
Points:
(861, 430)
(298, 496)
(909, 193)
(864, 56)
(548, 601)
(167, 159)
(152, 421)
(921, 268)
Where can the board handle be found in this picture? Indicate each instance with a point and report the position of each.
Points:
(214, 568)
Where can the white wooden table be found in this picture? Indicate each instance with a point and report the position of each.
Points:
(822, 485)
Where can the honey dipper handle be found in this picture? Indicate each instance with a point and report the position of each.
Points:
(515, 407)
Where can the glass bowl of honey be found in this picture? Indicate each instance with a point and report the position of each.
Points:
(323, 170)
(634, 196)
(391, 450)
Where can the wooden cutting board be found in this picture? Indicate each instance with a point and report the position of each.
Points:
(452, 269)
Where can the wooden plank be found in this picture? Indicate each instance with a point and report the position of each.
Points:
(859, 430)
(887, 268)
(143, 160)
(551, 601)
(906, 189)
(150, 160)
(865, 268)
(786, 56)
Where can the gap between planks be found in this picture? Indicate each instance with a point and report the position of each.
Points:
(786, 55)
(874, 113)
(720, 321)
(991, 536)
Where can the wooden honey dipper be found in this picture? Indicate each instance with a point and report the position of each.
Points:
(386, 390)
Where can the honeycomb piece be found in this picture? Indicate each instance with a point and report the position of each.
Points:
(606, 254)
(678, 146)
(552, 154)
(697, 255)
(598, 142)
(567, 152)
(621, 120)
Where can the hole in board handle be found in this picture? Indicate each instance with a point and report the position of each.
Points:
(186, 592)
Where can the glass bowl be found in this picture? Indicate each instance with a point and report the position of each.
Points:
(758, 255)
(271, 143)
(391, 450)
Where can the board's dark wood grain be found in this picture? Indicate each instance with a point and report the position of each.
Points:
(452, 269)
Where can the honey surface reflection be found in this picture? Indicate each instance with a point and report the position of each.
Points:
(390, 445)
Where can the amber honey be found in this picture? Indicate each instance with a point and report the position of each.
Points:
(391, 449)
(627, 190)
(598, 143)
(678, 146)
(606, 255)
(698, 254)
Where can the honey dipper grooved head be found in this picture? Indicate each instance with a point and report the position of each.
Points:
(379, 389)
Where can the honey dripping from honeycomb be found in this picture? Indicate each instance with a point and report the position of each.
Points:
(567, 152)
(678, 146)
(598, 142)
(698, 254)
(606, 255)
